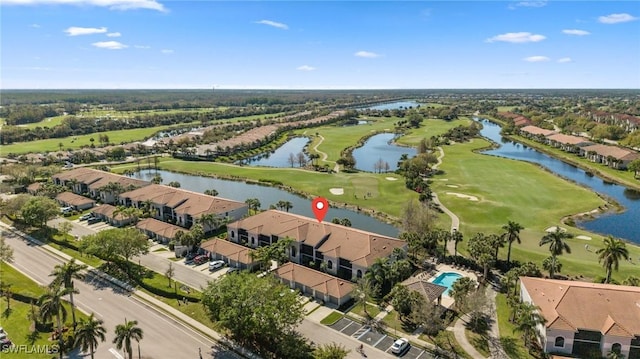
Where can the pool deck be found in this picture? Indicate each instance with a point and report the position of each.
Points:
(447, 301)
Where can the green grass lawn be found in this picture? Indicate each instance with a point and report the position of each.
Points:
(519, 191)
(511, 341)
(15, 321)
(337, 138)
(394, 324)
(479, 342)
(372, 309)
(331, 318)
(430, 127)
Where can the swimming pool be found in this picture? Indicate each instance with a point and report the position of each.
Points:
(446, 279)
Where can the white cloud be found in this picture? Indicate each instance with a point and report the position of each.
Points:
(110, 45)
(536, 59)
(616, 18)
(576, 32)
(279, 25)
(111, 4)
(366, 54)
(305, 68)
(517, 37)
(166, 51)
(142, 46)
(565, 60)
(77, 31)
(35, 26)
(114, 34)
(539, 3)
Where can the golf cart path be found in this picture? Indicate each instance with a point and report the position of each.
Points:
(455, 221)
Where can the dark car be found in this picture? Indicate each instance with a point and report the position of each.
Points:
(86, 217)
(200, 260)
(93, 220)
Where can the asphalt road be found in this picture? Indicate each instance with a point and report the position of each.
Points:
(163, 337)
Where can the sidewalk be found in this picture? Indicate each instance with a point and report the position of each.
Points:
(142, 296)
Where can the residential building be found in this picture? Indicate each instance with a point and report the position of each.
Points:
(159, 231)
(109, 214)
(184, 208)
(233, 254)
(568, 143)
(535, 132)
(586, 320)
(344, 251)
(99, 185)
(319, 285)
(611, 156)
(79, 203)
(429, 291)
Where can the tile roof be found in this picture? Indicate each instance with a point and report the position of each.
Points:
(183, 201)
(73, 199)
(233, 251)
(358, 246)
(428, 290)
(535, 130)
(311, 278)
(609, 309)
(160, 228)
(95, 179)
(567, 139)
(613, 151)
(107, 211)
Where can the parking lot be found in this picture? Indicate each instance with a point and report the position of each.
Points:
(377, 340)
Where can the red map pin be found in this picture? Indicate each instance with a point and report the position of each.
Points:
(320, 206)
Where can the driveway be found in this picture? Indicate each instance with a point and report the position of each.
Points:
(379, 341)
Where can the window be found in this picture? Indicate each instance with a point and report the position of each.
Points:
(233, 234)
(293, 251)
(329, 265)
(359, 274)
(253, 240)
(616, 348)
(559, 342)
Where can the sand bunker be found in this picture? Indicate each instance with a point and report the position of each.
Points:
(391, 178)
(553, 229)
(337, 191)
(460, 195)
(453, 186)
(586, 238)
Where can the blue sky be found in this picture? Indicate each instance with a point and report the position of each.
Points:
(48, 44)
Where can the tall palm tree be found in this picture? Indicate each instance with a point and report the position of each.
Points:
(512, 234)
(456, 237)
(379, 271)
(557, 245)
(364, 289)
(64, 274)
(125, 334)
(50, 304)
(87, 334)
(610, 255)
(528, 319)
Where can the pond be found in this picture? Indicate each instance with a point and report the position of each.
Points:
(380, 147)
(620, 225)
(392, 106)
(240, 191)
(280, 157)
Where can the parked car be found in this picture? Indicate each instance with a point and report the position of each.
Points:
(93, 220)
(400, 345)
(200, 260)
(87, 216)
(213, 265)
(66, 210)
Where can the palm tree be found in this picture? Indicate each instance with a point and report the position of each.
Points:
(87, 334)
(456, 237)
(364, 289)
(50, 304)
(211, 192)
(528, 320)
(379, 271)
(610, 255)
(64, 274)
(550, 265)
(512, 234)
(253, 204)
(125, 334)
(557, 245)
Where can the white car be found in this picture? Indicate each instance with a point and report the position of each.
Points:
(400, 345)
(213, 265)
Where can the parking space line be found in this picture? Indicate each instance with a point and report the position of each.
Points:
(365, 332)
(348, 325)
(419, 355)
(379, 340)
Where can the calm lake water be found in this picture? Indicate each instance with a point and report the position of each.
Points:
(393, 105)
(380, 147)
(280, 157)
(621, 225)
(240, 191)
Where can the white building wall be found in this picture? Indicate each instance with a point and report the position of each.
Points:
(609, 340)
(552, 334)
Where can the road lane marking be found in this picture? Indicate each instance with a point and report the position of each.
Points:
(115, 353)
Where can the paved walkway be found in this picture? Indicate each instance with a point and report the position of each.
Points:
(455, 221)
